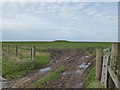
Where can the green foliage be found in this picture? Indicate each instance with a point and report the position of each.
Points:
(12, 69)
(23, 56)
(94, 53)
(42, 60)
(91, 79)
(91, 75)
(48, 77)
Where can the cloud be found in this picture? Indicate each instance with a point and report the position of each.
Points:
(74, 21)
(97, 5)
(23, 21)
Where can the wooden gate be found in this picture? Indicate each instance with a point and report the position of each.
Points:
(109, 67)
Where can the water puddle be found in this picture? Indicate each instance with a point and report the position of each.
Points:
(81, 69)
(79, 72)
(66, 73)
(84, 65)
(85, 57)
(3, 81)
(79, 85)
(44, 70)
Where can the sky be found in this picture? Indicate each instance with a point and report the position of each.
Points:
(72, 21)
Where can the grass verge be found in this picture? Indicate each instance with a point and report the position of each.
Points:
(90, 80)
(48, 77)
(12, 69)
(42, 60)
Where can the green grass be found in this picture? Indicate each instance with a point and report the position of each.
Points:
(42, 60)
(91, 79)
(12, 69)
(23, 56)
(48, 77)
(60, 45)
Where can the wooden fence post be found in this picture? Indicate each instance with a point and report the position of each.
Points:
(2, 47)
(33, 52)
(118, 67)
(114, 56)
(113, 63)
(8, 49)
(99, 60)
(16, 51)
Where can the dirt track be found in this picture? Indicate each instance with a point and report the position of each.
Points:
(77, 61)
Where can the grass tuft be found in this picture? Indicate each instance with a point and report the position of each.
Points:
(42, 60)
(48, 77)
(91, 79)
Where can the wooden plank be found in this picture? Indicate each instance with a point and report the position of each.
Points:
(113, 76)
(107, 50)
(104, 70)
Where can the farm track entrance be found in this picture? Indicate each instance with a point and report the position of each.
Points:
(77, 62)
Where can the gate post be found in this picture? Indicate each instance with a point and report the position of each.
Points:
(113, 63)
(118, 66)
(99, 60)
(114, 56)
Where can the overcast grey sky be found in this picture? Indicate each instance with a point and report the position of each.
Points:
(78, 21)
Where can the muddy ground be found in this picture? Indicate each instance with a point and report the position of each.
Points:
(78, 62)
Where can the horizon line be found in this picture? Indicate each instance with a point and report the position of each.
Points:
(53, 40)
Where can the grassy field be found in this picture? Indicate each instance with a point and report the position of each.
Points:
(60, 45)
(18, 66)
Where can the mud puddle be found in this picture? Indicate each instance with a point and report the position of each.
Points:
(78, 63)
(84, 65)
(43, 70)
(80, 85)
(25, 81)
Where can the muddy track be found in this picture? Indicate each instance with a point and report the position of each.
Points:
(74, 76)
(77, 62)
